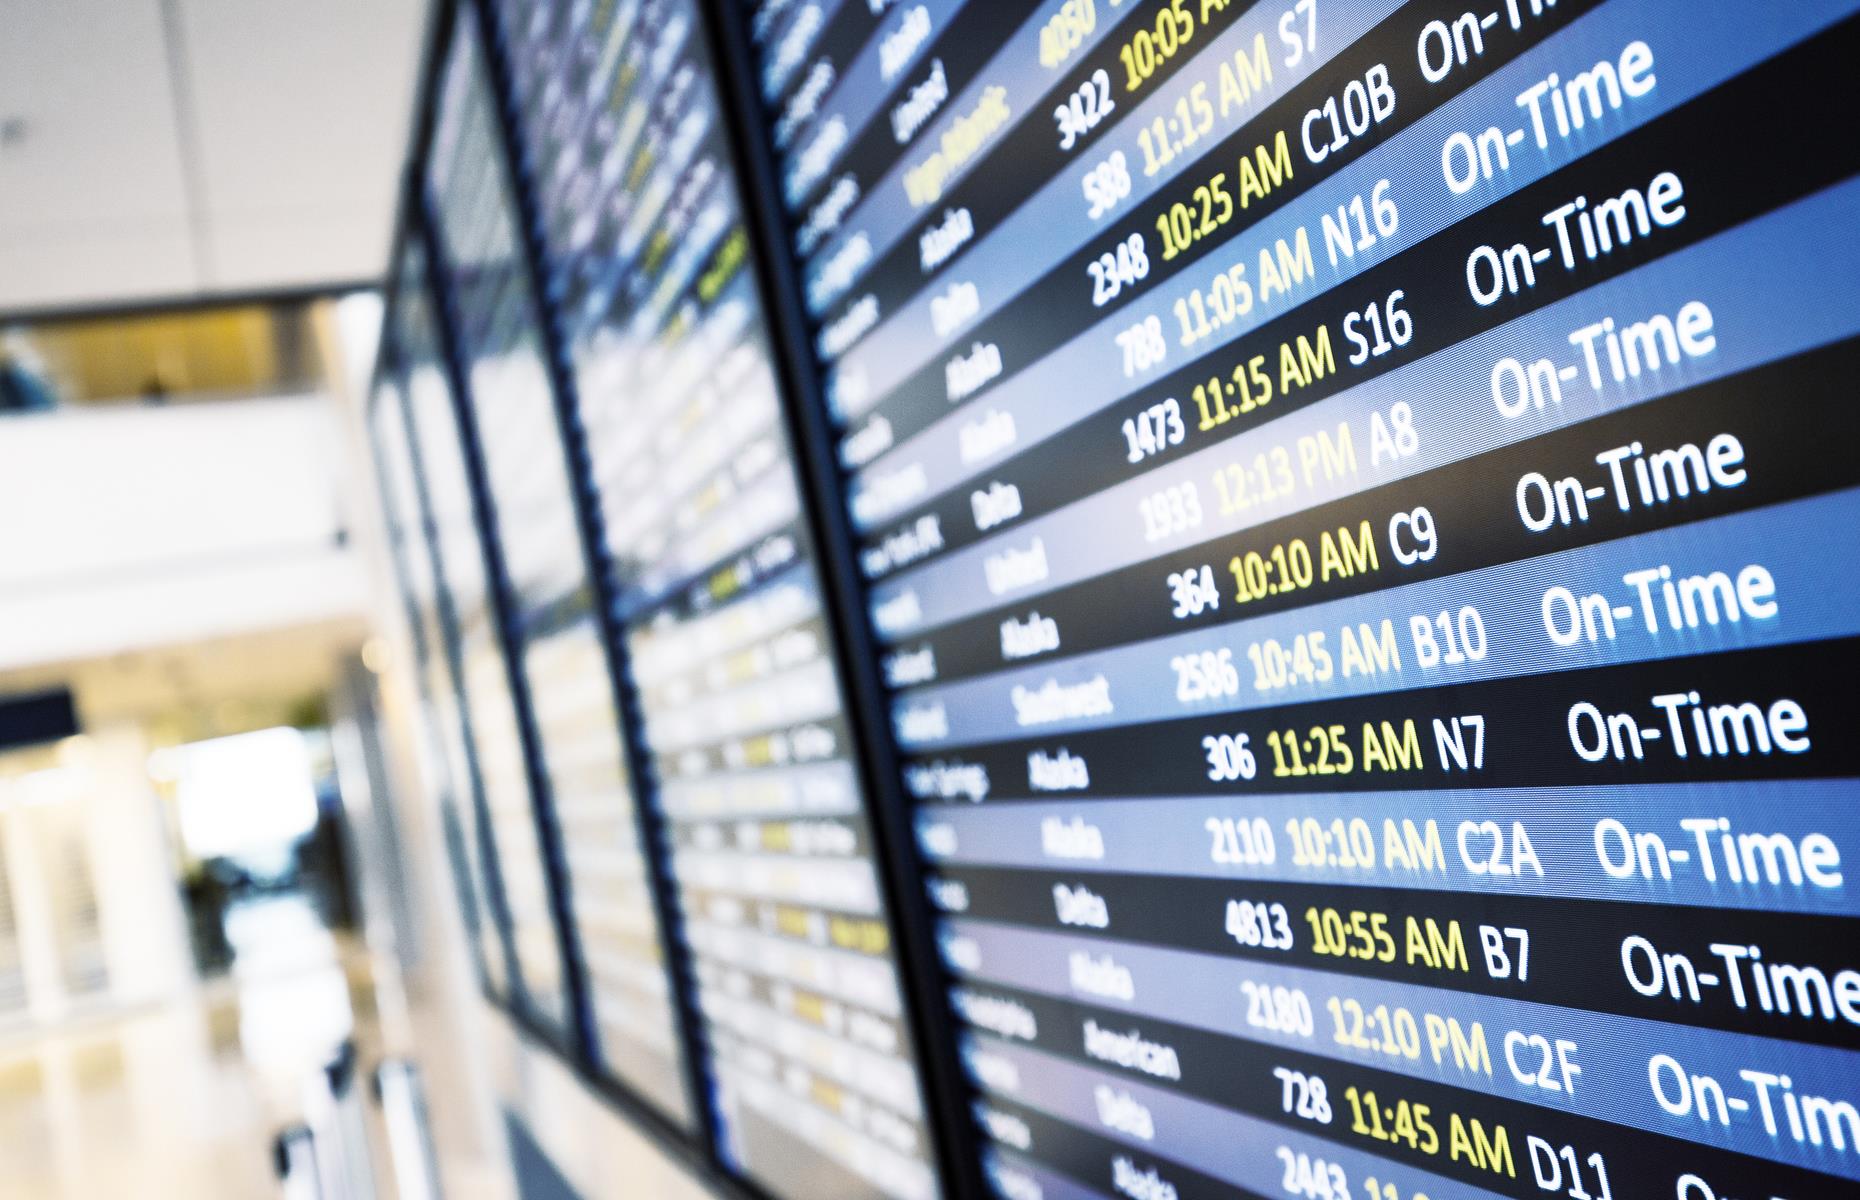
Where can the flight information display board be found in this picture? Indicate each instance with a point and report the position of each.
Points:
(1350, 493)
(804, 1021)
(445, 744)
(568, 683)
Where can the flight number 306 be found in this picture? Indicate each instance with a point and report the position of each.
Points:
(1229, 757)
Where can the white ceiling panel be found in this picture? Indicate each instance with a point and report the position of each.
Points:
(302, 122)
(54, 265)
(93, 201)
(272, 165)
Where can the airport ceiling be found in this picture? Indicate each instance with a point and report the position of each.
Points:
(155, 150)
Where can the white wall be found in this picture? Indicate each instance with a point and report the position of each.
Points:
(133, 528)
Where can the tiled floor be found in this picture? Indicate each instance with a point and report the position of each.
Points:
(177, 1102)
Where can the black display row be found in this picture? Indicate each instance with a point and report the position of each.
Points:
(1150, 598)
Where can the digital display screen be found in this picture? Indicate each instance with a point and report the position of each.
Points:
(813, 1090)
(564, 663)
(444, 745)
(1350, 495)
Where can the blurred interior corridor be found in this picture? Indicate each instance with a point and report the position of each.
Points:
(180, 963)
(179, 1099)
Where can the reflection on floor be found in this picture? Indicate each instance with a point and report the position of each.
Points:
(179, 1102)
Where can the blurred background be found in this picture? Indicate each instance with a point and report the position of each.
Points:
(220, 954)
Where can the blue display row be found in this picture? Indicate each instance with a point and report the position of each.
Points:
(1776, 846)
